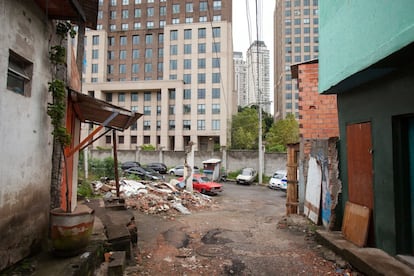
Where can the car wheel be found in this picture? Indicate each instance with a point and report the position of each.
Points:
(172, 173)
(203, 191)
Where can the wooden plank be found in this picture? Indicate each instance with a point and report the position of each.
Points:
(313, 191)
(355, 223)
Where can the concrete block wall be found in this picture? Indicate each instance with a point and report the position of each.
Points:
(318, 114)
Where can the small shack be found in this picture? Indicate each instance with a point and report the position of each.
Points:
(211, 168)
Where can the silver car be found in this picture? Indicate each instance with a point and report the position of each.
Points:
(179, 170)
(247, 176)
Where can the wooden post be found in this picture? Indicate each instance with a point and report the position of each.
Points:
(292, 179)
(115, 163)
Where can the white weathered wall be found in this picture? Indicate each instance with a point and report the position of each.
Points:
(25, 141)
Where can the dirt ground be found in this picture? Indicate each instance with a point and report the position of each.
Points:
(243, 232)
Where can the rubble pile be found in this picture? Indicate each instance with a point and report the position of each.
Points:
(154, 197)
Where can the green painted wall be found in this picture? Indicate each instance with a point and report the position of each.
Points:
(354, 34)
(378, 102)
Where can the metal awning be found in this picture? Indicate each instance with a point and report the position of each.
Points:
(73, 10)
(92, 110)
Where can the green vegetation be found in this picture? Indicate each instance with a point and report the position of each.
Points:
(147, 147)
(245, 131)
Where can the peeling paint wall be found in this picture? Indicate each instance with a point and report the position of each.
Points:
(25, 143)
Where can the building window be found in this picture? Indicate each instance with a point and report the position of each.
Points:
(112, 14)
(217, 5)
(163, 11)
(137, 25)
(95, 54)
(201, 48)
(215, 77)
(201, 63)
(158, 125)
(201, 78)
(111, 55)
(216, 31)
(187, 63)
(95, 39)
(147, 110)
(203, 6)
(150, 11)
(160, 52)
(147, 139)
(187, 34)
(187, 48)
(216, 47)
(121, 139)
(108, 97)
(148, 39)
(217, 18)
(186, 108)
(201, 125)
(122, 68)
(188, 20)
(124, 13)
(148, 53)
(148, 68)
(112, 27)
(135, 68)
(147, 125)
(171, 109)
(147, 96)
(215, 93)
(134, 97)
(108, 139)
(122, 54)
(122, 40)
(173, 35)
(176, 8)
(203, 19)
(125, 2)
(186, 124)
(160, 67)
(187, 78)
(173, 50)
(171, 94)
(110, 69)
(202, 33)
(187, 94)
(134, 126)
(121, 97)
(175, 21)
(215, 124)
(135, 53)
(111, 41)
(150, 24)
(201, 93)
(94, 68)
(173, 64)
(133, 139)
(158, 110)
(189, 7)
(171, 124)
(201, 109)
(215, 108)
(19, 74)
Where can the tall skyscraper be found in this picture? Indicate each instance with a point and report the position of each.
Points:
(258, 75)
(169, 60)
(296, 40)
(240, 78)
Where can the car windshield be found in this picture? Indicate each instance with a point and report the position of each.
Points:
(247, 172)
(203, 179)
(278, 176)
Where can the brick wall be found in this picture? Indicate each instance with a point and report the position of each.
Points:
(318, 114)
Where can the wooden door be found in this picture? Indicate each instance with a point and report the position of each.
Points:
(360, 171)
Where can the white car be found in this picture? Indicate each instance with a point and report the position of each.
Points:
(279, 180)
(247, 176)
(179, 170)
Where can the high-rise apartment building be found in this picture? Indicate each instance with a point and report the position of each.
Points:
(258, 75)
(240, 78)
(172, 61)
(296, 40)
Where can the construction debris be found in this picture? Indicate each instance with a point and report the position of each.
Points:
(149, 197)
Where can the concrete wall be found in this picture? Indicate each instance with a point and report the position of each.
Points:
(378, 103)
(356, 34)
(236, 160)
(26, 142)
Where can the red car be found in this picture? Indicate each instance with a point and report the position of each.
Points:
(204, 185)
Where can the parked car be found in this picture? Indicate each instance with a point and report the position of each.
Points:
(129, 164)
(159, 167)
(247, 176)
(278, 180)
(179, 170)
(204, 185)
(144, 173)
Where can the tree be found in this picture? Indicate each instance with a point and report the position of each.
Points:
(245, 129)
(282, 133)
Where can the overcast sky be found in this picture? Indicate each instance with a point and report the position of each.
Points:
(241, 38)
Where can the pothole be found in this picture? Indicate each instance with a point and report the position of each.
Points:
(211, 237)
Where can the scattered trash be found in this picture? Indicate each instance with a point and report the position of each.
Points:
(154, 197)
